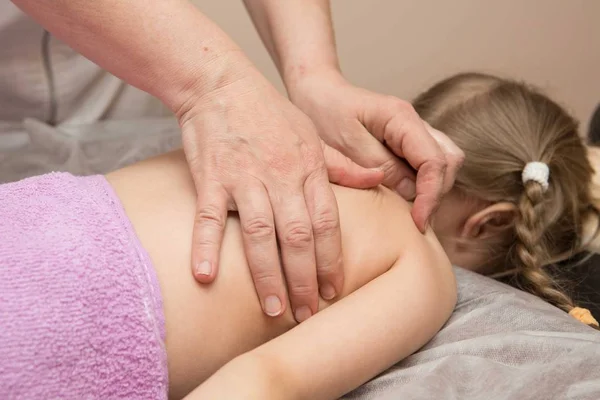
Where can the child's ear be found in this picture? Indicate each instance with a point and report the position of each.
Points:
(490, 221)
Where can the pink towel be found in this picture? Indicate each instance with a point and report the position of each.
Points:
(80, 306)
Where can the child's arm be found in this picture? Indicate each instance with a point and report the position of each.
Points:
(352, 341)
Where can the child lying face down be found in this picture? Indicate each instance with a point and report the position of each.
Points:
(97, 298)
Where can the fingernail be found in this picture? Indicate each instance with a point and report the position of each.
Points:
(407, 188)
(327, 291)
(302, 314)
(272, 306)
(203, 268)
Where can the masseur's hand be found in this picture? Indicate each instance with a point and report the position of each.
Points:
(249, 149)
(381, 131)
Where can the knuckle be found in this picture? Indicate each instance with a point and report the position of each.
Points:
(325, 223)
(210, 215)
(205, 242)
(329, 269)
(434, 171)
(390, 168)
(302, 290)
(317, 164)
(313, 159)
(297, 235)
(264, 277)
(258, 227)
(438, 163)
(403, 106)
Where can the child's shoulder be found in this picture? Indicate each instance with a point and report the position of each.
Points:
(376, 218)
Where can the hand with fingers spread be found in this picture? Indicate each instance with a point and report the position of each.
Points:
(249, 149)
(375, 130)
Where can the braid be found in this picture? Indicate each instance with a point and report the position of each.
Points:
(532, 251)
(507, 128)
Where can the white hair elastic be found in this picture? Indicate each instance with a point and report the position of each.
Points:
(536, 171)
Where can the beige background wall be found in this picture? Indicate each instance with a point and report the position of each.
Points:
(402, 46)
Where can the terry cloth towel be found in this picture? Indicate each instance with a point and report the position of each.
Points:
(80, 307)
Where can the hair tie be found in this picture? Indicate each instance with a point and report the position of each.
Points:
(583, 315)
(536, 171)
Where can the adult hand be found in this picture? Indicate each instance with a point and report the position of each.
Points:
(249, 149)
(381, 131)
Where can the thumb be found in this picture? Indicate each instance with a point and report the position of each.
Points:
(364, 148)
(345, 172)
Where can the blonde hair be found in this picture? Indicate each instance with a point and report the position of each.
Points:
(501, 125)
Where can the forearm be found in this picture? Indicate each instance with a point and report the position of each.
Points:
(166, 48)
(297, 33)
(245, 377)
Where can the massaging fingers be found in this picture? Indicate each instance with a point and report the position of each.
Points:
(323, 210)
(343, 171)
(209, 226)
(408, 138)
(260, 246)
(295, 234)
(366, 150)
(455, 157)
(396, 124)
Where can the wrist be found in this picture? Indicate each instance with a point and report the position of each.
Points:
(309, 86)
(184, 91)
(296, 76)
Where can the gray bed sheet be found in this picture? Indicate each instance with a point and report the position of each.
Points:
(500, 343)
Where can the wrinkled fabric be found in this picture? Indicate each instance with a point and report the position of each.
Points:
(44, 79)
(47, 88)
(87, 149)
(499, 344)
(80, 306)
